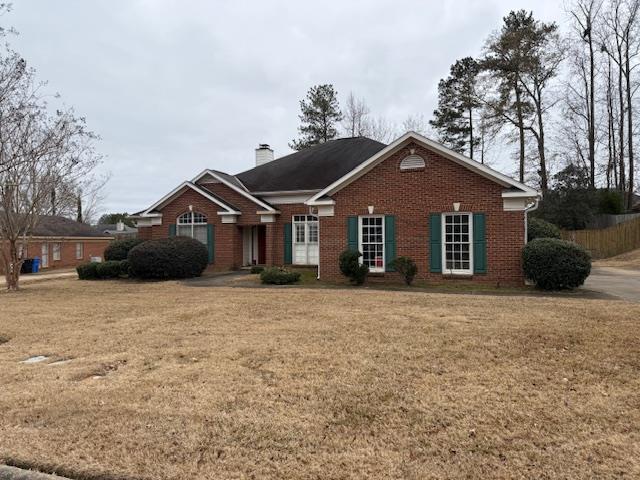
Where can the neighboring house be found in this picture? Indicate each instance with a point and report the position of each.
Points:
(455, 217)
(118, 230)
(62, 242)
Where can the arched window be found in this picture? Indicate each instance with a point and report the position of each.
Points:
(412, 162)
(194, 225)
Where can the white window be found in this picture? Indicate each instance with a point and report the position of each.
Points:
(194, 225)
(22, 251)
(305, 240)
(56, 251)
(79, 251)
(457, 251)
(44, 253)
(372, 243)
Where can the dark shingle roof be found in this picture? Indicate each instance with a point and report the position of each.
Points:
(54, 226)
(313, 168)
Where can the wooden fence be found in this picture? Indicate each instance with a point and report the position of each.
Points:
(607, 242)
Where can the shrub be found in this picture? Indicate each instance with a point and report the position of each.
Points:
(110, 269)
(555, 264)
(257, 269)
(278, 276)
(539, 228)
(125, 268)
(119, 249)
(351, 267)
(87, 271)
(406, 267)
(175, 257)
(611, 202)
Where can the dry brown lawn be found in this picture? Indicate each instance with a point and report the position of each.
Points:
(629, 260)
(315, 383)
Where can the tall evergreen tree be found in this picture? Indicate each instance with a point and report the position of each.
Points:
(320, 113)
(457, 102)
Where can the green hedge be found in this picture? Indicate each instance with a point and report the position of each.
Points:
(555, 264)
(406, 267)
(257, 269)
(351, 267)
(539, 228)
(104, 270)
(119, 249)
(278, 276)
(175, 257)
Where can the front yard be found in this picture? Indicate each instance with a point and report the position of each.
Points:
(168, 381)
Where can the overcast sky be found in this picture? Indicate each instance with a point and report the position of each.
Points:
(174, 87)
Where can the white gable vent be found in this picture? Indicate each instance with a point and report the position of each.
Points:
(412, 162)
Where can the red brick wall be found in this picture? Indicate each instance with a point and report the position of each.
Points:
(411, 196)
(228, 246)
(92, 248)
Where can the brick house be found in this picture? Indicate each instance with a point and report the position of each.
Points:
(61, 242)
(455, 217)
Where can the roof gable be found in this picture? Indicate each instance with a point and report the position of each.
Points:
(515, 189)
(227, 208)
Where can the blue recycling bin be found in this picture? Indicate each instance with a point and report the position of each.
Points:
(36, 265)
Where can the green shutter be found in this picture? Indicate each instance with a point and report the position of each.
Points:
(211, 242)
(389, 242)
(435, 242)
(479, 243)
(288, 258)
(352, 233)
(172, 230)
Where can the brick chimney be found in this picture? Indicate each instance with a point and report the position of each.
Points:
(264, 154)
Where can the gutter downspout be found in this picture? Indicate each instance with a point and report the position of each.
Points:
(526, 218)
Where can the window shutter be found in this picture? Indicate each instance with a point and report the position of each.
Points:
(288, 260)
(435, 241)
(389, 242)
(172, 230)
(211, 242)
(479, 243)
(352, 233)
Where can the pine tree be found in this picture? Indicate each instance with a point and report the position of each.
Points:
(320, 113)
(457, 101)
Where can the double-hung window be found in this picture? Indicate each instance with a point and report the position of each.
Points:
(79, 251)
(372, 242)
(56, 251)
(305, 239)
(457, 252)
(194, 225)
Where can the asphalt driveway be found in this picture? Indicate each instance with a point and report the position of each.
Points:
(618, 282)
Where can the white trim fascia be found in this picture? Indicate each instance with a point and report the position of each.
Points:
(56, 238)
(242, 192)
(509, 194)
(367, 165)
(318, 203)
(232, 212)
(146, 215)
(192, 186)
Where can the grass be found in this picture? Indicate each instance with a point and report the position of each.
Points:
(168, 381)
(629, 260)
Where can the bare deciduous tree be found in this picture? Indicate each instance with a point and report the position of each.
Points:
(355, 117)
(39, 151)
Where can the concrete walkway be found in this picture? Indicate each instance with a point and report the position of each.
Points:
(12, 473)
(618, 282)
(41, 276)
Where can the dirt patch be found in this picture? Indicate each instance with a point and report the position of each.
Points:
(319, 383)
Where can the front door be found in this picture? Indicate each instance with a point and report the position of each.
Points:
(305, 240)
(262, 244)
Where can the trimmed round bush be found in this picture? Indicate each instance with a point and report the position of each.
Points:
(555, 264)
(539, 228)
(257, 269)
(175, 257)
(351, 267)
(119, 249)
(278, 276)
(406, 267)
(110, 269)
(88, 271)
